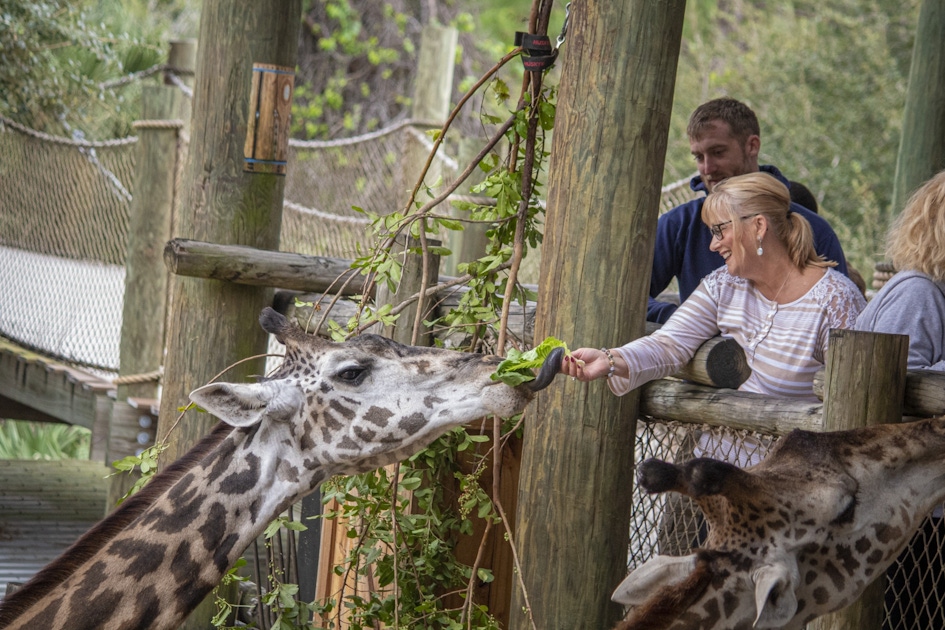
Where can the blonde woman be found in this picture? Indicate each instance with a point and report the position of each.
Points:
(775, 296)
(912, 302)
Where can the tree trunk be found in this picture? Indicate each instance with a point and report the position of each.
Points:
(213, 323)
(618, 71)
(922, 146)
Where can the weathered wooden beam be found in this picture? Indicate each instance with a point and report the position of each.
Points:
(865, 380)
(668, 399)
(257, 267)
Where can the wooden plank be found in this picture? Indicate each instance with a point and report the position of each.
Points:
(53, 391)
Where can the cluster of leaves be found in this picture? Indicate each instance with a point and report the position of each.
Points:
(405, 522)
(58, 59)
(34, 440)
(142, 467)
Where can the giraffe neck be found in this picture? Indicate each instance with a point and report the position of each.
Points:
(155, 559)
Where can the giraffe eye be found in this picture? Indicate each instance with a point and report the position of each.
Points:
(353, 375)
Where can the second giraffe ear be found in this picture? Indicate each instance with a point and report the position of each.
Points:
(247, 404)
(775, 599)
(650, 576)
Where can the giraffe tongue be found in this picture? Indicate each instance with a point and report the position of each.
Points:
(549, 369)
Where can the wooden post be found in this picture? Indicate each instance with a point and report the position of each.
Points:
(922, 146)
(165, 115)
(431, 99)
(604, 181)
(865, 382)
(470, 244)
(431, 103)
(182, 60)
(214, 324)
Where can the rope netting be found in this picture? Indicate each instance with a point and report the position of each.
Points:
(63, 226)
(326, 180)
(671, 524)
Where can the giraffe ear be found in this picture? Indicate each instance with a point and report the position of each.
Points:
(775, 599)
(650, 576)
(243, 405)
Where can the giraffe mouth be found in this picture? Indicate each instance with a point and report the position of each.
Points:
(549, 369)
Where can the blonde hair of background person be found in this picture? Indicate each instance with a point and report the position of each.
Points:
(912, 302)
(775, 296)
(916, 239)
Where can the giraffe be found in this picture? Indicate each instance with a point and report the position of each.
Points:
(332, 408)
(797, 536)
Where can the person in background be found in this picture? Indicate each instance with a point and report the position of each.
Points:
(725, 140)
(912, 303)
(774, 294)
(801, 195)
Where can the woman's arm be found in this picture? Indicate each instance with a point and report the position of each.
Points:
(660, 354)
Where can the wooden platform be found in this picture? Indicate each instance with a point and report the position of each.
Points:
(44, 507)
(34, 387)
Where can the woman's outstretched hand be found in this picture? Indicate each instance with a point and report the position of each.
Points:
(585, 364)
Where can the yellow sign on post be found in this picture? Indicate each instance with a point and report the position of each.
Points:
(270, 108)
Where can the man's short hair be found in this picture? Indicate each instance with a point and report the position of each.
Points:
(739, 117)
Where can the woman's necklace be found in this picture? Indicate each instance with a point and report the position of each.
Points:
(783, 284)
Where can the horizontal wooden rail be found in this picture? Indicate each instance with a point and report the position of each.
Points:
(697, 404)
(719, 362)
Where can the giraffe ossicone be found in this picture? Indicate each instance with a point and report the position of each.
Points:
(795, 537)
(331, 408)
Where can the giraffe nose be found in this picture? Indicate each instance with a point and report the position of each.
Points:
(548, 370)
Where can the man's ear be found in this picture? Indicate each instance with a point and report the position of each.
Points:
(753, 146)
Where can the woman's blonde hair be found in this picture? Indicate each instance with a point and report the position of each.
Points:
(761, 194)
(916, 239)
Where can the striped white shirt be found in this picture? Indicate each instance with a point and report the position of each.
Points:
(785, 344)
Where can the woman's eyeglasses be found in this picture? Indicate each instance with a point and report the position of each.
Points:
(717, 228)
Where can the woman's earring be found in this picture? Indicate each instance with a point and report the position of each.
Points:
(760, 250)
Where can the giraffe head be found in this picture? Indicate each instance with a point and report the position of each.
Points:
(797, 536)
(354, 406)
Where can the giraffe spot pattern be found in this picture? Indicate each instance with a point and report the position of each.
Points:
(243, 481)
(413, 423)
(143, 557)
(378, 416)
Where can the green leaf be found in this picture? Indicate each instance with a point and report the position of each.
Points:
(517, 366)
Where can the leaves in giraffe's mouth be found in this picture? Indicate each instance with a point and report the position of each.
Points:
(517, 366)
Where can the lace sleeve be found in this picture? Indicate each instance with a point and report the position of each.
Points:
(842, 301)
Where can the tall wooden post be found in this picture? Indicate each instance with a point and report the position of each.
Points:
(165, 117)
(922, 146)
(864, 384)
(618, 71)
(213, 324)
(431, 104)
